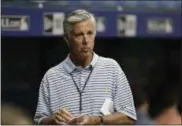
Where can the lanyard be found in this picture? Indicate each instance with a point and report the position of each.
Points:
(81, 91)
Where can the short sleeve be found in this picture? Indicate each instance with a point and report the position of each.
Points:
(123, 99)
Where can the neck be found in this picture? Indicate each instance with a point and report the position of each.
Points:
(81, 61)
(169, 116)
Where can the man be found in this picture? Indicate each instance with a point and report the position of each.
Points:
(81, 83)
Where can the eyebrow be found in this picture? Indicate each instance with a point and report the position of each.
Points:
(81, 33)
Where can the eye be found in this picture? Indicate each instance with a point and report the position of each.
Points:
(78, 35)
(90, 33)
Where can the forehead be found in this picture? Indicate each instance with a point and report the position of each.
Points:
(87, 24)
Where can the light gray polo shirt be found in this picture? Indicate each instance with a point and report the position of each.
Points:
(107, 80)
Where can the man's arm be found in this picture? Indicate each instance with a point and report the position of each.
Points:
(47, 121)
(123, 100)
(117, 119)
(43, 114)
(112, 119)
(123, 103)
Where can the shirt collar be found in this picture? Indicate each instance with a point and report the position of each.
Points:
(70, 66)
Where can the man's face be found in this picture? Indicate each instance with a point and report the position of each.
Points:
(82, 38)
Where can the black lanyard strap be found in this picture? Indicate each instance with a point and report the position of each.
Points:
(81, 91)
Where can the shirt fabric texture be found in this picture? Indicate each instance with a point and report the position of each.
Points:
(57, 89)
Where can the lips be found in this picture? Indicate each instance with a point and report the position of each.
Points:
(85, 49)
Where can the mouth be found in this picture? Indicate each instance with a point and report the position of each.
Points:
(85, 49)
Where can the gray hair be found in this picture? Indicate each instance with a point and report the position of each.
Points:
(76, 16)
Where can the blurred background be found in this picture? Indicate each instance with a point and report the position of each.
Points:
(142, 36)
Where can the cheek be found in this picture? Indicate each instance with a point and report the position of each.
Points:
(76, 45)
(77, 40)
(92, 40)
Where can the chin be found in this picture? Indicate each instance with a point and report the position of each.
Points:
(84, 55)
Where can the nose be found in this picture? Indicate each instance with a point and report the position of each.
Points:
(85, 39)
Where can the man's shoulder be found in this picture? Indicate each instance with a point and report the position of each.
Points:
(107, 61)
(56, 69)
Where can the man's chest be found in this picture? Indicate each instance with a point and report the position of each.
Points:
(64, 92)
